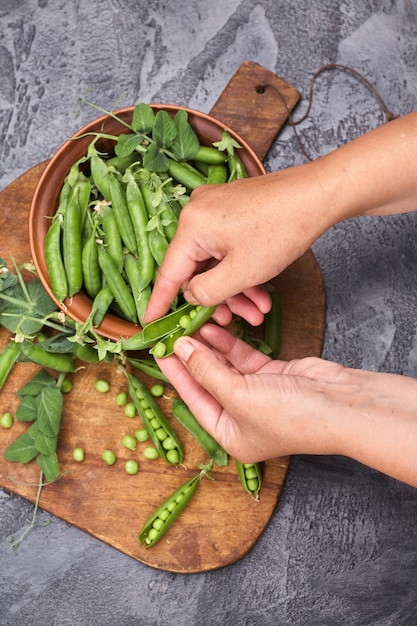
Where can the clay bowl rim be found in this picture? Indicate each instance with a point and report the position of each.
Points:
(208, 129)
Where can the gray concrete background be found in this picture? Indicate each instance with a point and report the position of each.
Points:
(341, 547)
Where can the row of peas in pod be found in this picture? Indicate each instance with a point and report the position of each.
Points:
(118, 210)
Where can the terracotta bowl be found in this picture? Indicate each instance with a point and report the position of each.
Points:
(45, 199)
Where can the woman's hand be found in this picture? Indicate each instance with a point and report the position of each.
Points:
(257, 408)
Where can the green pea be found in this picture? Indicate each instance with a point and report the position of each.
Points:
(66, 386)
(168, 443)
(155, 423)
(121, 398)
(173, 457)
(102, 386)
(164, 515)
(129, 442)
(157, 390)
(141, 434)
(251, 473)
(161, 434)
(152, 534)
(108, 457)
(159, 350)
(78, 454)
(131, 467)
(130, 410)
(252, 484)
(144, 403)
(158, 523)
(185, 321)
(151, 453)
(6, 420)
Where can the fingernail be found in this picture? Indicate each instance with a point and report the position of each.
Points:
(183, 348)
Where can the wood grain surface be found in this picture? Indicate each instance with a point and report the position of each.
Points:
(222, 522)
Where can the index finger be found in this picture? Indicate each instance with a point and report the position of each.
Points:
(178, 266)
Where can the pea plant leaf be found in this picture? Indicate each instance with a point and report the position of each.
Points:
(49, 465)
(43, 443)
(35, 385)
(25, 312)
(127, 143)
(186, 144)
(27, 411)
(50, 410)
(143, 119)
(23, 449)
(155, 158)
(165, 130)
(7, 278)
(227, 143)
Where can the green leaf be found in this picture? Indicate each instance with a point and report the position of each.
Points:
(143, 119)
(186, 144)
(34, 387)
(127, 143)
(23, 449)
(165, 130)
(7, 279)
(13, 315)
(27, 411)
(58, 344)
(50, 410)
(49, 465)
(43, 443)
(227, 143)
(155, 159)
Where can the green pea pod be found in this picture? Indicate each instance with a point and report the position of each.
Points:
(8, 357)
(134, 276)
(189, 177)
(149, 367)
(101, 305)
(210, 155)
(54, 361)
(92, 278)
(158, 245)
(217, 174)
(186, 418)
(72, 245)
(139, 217)
(86, 353)
(165, 346)
(272, 332)
(114, 279)
(135, 343)
(158, 427)
(166, 514)
(111, 235)
(236, 167)
(164, 325)
(250, 477)
(54, 260)
(124, 222)
(204, 313)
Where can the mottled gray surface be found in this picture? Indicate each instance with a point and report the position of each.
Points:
(341, 548)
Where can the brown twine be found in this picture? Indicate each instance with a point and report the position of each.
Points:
(389, 116)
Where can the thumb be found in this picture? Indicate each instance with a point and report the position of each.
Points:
(204, 367)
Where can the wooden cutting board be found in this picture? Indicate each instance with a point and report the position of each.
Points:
(222, 522)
